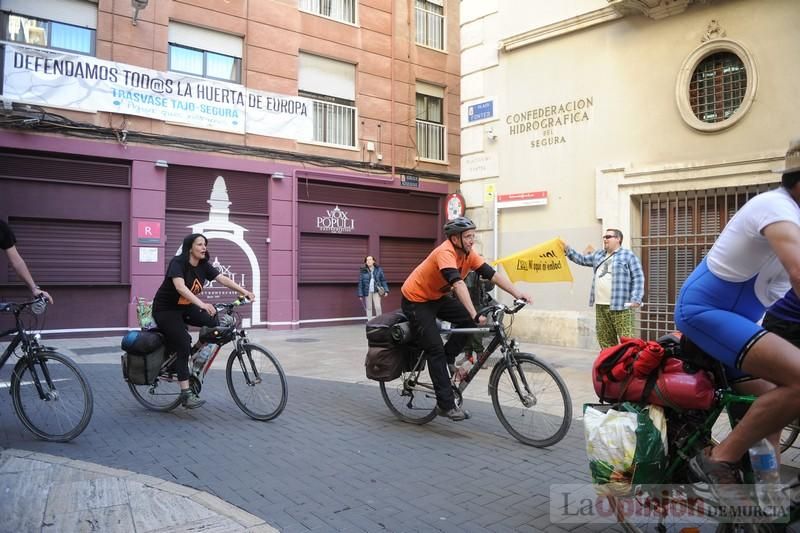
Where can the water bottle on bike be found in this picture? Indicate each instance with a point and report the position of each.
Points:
(201, 356)
(766, 472)
(463, 366)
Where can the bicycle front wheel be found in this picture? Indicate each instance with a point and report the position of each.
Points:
(531, 400)
(51, 396)
(410, 397)
(256, 382)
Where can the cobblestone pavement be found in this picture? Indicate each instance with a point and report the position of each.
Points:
(336, 459)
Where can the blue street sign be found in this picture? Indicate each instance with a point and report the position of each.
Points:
(480, 111)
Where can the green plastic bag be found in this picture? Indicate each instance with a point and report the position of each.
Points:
(626, 445)
(144, 313)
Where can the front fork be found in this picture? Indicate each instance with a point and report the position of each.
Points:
(34, 358)
(518, 379)
(251, 376)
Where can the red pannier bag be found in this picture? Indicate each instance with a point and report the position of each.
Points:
(672, 386)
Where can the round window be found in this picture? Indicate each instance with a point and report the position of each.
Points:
(716, 85)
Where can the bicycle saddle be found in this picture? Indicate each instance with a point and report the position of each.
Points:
(695, 356)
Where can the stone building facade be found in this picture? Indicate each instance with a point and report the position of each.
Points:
(657, 117)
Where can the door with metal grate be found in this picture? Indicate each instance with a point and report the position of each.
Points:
(399, 256)
(678, 229)
(328, 274)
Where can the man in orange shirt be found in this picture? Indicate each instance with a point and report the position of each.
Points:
(427, 296)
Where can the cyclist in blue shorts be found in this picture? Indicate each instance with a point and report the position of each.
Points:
(753, 262)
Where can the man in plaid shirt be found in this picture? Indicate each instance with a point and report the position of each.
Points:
(617, 286)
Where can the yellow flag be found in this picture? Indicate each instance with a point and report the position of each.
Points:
(542, 263)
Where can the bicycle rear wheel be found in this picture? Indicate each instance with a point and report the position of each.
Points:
(51, 396)
(256, 382)
(163, 394)
(531, 401)
(411, 397)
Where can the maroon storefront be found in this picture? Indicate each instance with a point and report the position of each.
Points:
(296, 237)
(339, 224)
(71, 218)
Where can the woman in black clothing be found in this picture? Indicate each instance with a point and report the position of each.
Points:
(176, 304)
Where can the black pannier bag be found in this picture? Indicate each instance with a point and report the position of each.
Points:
(391, 351)
(386, 363)
(144, 355)
(379, 329)
(142, 369)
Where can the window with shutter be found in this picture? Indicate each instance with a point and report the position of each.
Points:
(332, 86)
(678, 230)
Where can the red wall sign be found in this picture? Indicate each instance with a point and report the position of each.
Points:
(148, 232)
(522, 199)
(454, 206)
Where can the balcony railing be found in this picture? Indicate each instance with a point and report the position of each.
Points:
(429, 28)
(344, 10)
(334, 123)
(430, 140)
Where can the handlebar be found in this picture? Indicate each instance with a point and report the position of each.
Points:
(38, 305)
(497, 308)
(237, 302)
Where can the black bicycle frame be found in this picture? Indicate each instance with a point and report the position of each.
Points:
(12, 346)
(498, 339)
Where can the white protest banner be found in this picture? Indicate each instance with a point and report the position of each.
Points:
(72, 81)
(57, 79)
(280, 115)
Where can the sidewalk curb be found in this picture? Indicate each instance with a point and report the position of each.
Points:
(249, 522)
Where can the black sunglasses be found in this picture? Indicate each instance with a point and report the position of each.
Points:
(609, 236)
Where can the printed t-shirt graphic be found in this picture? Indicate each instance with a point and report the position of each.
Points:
(196, 288)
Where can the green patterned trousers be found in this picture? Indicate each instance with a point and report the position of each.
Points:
(611, 325)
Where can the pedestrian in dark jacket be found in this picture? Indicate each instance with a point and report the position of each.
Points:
(372, 287)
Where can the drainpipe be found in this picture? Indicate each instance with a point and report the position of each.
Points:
(494, 225)
(391, 94)
(295, 253)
